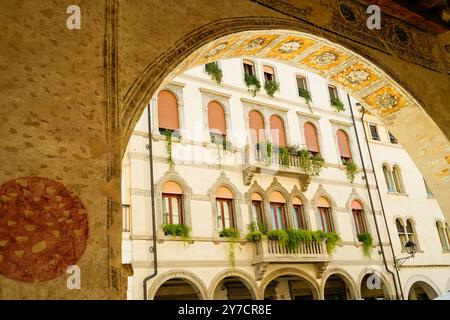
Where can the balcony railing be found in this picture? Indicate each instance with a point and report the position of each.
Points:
(272, 251)
(257, 160)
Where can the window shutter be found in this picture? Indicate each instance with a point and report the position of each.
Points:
(277, 131)
(344, 147)
(168, 111)
(256, 124)
(216, 118)
(312, 143)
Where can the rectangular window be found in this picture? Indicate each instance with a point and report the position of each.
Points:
(325, 220)
(392, 139)
(172, 209)
(126, 218)
(301, 83)
(299, 219)
(374, 132)
(269, 74)
(360, 223)
(249, 67)
(277, 215)
(225, 218)
(257, 213)
(332, 90)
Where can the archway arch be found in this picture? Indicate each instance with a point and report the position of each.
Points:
(420, 287)
(337, 284)
(296, 284)
(235, 285)
(374, 288)
(179, 277)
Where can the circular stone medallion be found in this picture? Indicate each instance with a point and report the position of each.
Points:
(325, 58)
(43, 229)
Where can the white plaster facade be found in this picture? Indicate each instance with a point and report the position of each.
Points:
(201, 166)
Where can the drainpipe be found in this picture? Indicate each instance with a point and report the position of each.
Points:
(370, 198)
(152, 195)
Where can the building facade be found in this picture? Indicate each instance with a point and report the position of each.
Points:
(234, 165)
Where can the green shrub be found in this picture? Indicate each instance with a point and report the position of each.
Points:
(337, 104)
(229, 233)
(214, 72)
(317, 163)
(271, 87)
(367, 241)
(331, 239)
(176, 230)
(252, 83)
(350, 168)
(254, 236)
(277, 234)
(305, 94)
(284, 156)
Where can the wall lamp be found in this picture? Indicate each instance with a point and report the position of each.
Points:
(411, 249)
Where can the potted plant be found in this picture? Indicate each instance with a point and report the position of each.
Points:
(337, 104)
(252, 83)
(271, 87)
(214, 71)
(367, 242)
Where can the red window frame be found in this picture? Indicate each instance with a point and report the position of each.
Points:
(329, 223)
(275, 205)
(229, 202)
(360, 222)
(300, 216)
(258, 204)
(180, 206)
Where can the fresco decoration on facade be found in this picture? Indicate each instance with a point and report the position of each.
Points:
(325, 59)
(348, 22)
(43, 229)
(255, 44)
(218, 49)
(357, 77)
(290, 47)
(386, 100)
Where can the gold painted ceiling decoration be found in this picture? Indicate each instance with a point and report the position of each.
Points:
(342, 67)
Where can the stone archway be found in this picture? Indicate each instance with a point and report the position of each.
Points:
(68, 107)
(337, 284)
(235, 285)
(374, 290)
(186, 283)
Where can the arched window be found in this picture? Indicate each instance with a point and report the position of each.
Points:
(401, 232)
(359, 218)
(344, 146)
(442, 236)
(299, 215)
(257, 210)
(216, 122)
(277, 210)
(256, 125)
(167, 111)
(172, 203)
(398, 180)
(410, 232)
(225, 212)
(277, 131)
(312, 142)
(388, 178)
(325, 218)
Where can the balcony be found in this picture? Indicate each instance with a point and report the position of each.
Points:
(267, 251)
(257, 161)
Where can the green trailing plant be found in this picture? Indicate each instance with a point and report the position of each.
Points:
(177, 230)
(293, 149)
(257, 226)
(331, 239)
(271, 87)
(252, 83)
(367, 241)
(351, 168)
(337, 104)
(277, 234)
(214, 72)
(168, 134)
(306, 94)
(234, 238)
(284, 156)
(305, 160)
(317, 164)
(254, 236)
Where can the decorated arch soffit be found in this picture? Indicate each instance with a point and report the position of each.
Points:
(342, 67)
